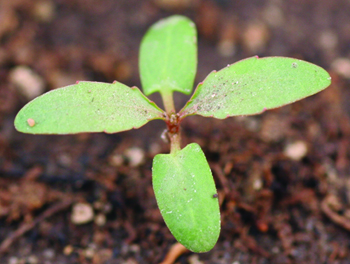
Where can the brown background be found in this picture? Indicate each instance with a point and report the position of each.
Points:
(282, 177)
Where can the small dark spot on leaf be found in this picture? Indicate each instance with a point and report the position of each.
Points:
(184, 189)
(215, 195)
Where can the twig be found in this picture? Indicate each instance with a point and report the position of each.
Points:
(336, 218)
(175, 251)
(4, 246)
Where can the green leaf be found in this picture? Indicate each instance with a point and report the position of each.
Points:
(87, 107)
(253, 85)
(185, 193)
(168, 56)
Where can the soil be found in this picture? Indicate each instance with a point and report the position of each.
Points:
(282, 176)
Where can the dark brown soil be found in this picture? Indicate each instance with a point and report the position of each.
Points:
(282, 177)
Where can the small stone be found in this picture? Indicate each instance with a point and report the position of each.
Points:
(273, 15)
(89, 253)
(32, 260)
(273, 128)
(135, 156)
(194, 259)
(342, 67)
(134, 248)
(68, 250)
(102, 255)
(100, 220)
(82, 213)
(255, 37)
(13, 260)
(27, 82)
(296, 151)
(49, 253)
(116, 160)
(328, 40)
(44, 10)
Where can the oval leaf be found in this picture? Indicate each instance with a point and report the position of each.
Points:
(87, 107)
(253, 85)
(168, 56)
(186, 196)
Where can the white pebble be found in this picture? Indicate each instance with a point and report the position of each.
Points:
(135, 156)
(27, 82)
(82, 213)
(49, 253)
(342, 67)
(100, 220)
(13, 260)
(194, 259)
(296, 150)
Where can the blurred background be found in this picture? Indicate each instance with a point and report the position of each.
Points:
(282, 177)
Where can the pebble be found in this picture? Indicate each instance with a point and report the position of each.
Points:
(27, 82)
(44, 10)
(194, 259)
(273, 15)
(13, 260)
(116, 160)
(82, 213)
(68, 250)
(134, 248)
(32, 260)
(342, 67)
(135, 156)
(100, 220)
(255, 37)
(89, 253)
(296, 151)
(328, 40)
(102, 256)
(273, 128)
(49, 253)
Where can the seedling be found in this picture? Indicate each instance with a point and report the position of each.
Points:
(183, 183)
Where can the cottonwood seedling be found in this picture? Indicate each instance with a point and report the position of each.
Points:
(182, 180)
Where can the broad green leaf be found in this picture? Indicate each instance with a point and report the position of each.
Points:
(253, 85)
(168, 56)
(185, 193)
(87, 107)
